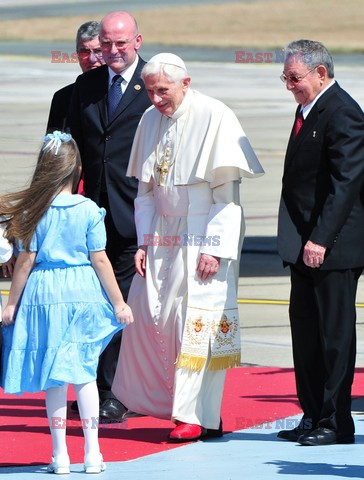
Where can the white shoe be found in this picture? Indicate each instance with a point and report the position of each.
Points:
(60, 465)
(94, 463)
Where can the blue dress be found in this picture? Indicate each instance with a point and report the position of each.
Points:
(65, 319)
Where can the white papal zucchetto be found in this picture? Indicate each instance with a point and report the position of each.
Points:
(168, 59)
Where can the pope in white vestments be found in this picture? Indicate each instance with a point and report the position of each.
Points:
(189, 154)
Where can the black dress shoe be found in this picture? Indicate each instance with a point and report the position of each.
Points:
(292, 435)
(112, 409)
(214, 433)
(324, 436)
(131, 414)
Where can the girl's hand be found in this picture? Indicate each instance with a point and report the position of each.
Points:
(8, 316)
(124, 314)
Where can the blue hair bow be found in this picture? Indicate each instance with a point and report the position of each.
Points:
(53, 141)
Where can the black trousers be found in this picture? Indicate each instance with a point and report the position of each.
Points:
(323, 316)
(121, 253)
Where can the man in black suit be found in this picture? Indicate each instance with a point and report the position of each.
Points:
(104, 127)
(89, 57)
(321, 238)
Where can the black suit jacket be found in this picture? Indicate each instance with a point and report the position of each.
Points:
(322, 191)
(106, 145)
(59, 107)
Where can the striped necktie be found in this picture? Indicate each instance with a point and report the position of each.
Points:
(114, 96)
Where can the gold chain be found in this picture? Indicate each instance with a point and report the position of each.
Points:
(163, 167)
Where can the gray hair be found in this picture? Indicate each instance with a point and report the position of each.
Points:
(87, 32)
(172, 72)
(311, 53)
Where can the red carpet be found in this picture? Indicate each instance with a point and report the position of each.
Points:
(252, 396)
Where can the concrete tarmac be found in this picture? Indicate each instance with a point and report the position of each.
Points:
(14, 9)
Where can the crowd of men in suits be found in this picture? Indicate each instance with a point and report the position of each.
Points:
(321, 215)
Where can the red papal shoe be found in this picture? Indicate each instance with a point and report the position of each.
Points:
(186, 432)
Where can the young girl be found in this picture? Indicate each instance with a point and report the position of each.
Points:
(59, 318)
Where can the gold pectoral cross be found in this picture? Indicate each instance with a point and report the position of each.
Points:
(163, 167)
(163, 170)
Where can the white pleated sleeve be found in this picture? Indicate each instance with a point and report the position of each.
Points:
(225, 222)
(144, 211)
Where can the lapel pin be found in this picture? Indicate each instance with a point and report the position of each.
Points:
(314, 133)
(137, 87)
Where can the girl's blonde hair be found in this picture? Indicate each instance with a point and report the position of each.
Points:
(56, 168)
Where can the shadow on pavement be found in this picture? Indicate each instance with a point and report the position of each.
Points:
(259, 258)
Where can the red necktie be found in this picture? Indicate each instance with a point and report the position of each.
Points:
(298, 124)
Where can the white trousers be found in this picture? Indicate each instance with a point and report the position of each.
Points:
(198, 396)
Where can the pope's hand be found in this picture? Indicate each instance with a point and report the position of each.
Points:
(208, 266)
(140, 259)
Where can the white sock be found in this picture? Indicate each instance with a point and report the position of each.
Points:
(88, 406)
(56, 404)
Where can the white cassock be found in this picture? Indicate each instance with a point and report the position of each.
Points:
(174, 356)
